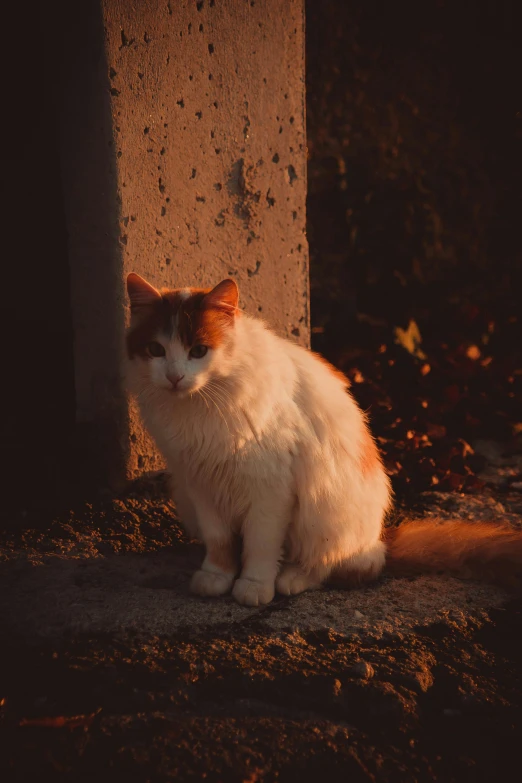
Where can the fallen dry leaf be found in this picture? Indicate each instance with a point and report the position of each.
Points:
(61, 721)
(410, 339)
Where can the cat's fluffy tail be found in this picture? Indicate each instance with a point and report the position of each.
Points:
(469, 550)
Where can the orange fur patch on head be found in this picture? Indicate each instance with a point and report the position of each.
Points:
(205, 315)
(199, 316)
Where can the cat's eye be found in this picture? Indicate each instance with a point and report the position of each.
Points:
(198, 351)
(156, 350)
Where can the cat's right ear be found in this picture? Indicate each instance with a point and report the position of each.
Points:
(141, 293)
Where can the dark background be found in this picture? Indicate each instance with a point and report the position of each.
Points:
(37, 390)
(414, 212)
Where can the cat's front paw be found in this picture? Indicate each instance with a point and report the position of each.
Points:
(292, 581)
(252, 593)
(208, 583)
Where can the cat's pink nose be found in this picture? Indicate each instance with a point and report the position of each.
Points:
(174, 379)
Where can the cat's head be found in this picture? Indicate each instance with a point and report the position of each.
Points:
(181, 338)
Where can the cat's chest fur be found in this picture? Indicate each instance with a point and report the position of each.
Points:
(198, 441)
(224, 457)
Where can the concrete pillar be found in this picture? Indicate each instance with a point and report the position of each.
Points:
(185, 161)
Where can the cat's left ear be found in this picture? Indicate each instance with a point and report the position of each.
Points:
(141, 293)
(224, 296)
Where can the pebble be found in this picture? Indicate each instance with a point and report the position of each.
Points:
(357, 614)
(363, 670)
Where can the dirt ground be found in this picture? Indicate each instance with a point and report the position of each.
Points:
(111, 670)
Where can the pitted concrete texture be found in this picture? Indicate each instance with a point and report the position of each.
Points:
(148, 593)
(185, 161)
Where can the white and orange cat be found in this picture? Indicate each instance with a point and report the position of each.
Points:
(272, 463)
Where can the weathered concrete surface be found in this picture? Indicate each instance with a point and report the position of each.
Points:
(109, 669)
(125, 564)
(148, 593)
(185, 161)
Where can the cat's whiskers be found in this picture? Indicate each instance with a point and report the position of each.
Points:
(223, 396)
(209, 396)
(216, 400)
(239, 412)
(199, 391)
(215, 393)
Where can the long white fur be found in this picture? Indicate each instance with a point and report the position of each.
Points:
(262, 440)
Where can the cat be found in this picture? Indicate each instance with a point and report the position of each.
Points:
(272, 462)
